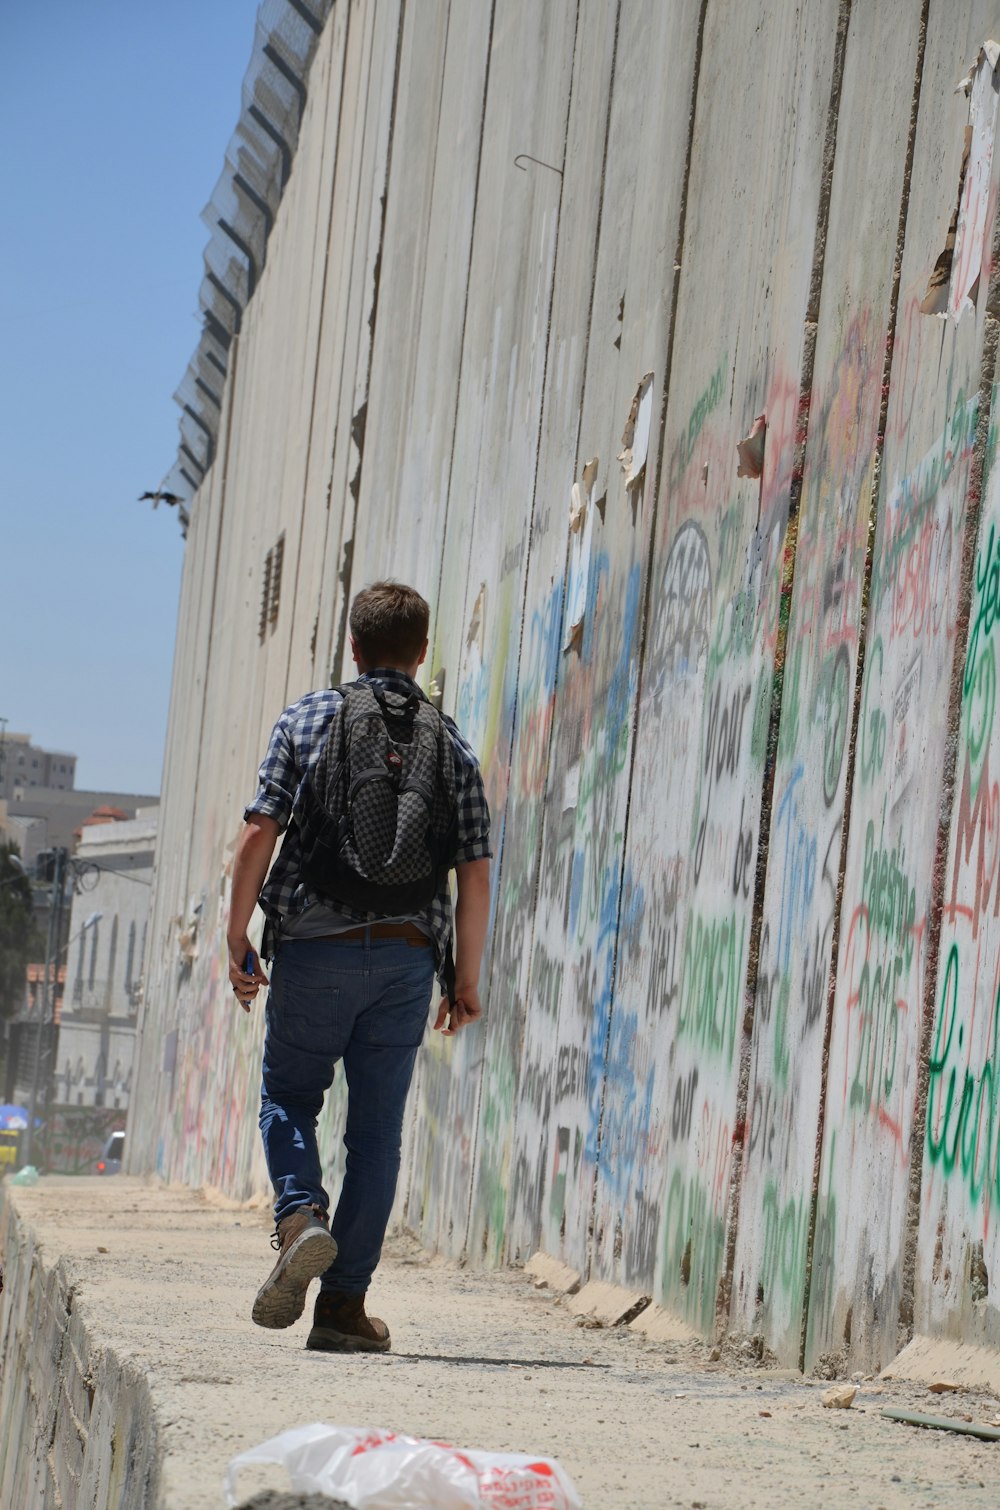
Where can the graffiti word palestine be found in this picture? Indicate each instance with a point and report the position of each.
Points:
(987, 604)
(962, 1130)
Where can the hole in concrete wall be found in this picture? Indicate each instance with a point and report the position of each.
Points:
(617, 342)
(847, 1326)
(686, 1264)
(954, 282)
(938, 1261)
(979, 1279)
(935, 300)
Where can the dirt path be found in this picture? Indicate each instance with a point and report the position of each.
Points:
(483, 1360)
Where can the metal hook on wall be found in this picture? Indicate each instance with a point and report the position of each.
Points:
(525, 157)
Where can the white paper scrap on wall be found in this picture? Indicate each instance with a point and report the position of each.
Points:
(972, 227)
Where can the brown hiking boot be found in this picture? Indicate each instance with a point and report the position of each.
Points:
(305, 1249)
(340, 1325)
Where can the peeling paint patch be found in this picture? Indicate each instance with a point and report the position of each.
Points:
(635, 436)
(750, 449)
(983, 86)
(954, 282)
(581, 530)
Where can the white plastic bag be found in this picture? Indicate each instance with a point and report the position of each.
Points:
(376, 1469)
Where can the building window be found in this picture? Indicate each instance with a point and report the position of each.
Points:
(92, 972)
(78, 980)
(112, 953)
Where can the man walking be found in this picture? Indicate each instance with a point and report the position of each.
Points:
(378, 796)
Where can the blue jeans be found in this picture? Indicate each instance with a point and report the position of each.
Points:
(364, 1001)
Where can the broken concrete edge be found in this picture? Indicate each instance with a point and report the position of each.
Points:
(930, 1360)
(77, 1424)
(546, 1270)
(611, 1305)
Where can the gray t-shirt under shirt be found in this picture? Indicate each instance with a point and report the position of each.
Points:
(320, 921)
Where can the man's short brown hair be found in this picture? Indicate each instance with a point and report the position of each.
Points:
(389, 623)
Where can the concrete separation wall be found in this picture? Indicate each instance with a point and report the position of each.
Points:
(656, 345)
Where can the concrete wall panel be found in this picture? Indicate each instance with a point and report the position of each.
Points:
(491, 489)
(709, 661)
(738, 1048)
(519, 1075)
(800, 906)
(885, 968)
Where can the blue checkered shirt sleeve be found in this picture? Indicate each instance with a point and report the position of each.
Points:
(278, 777)
(473, 810)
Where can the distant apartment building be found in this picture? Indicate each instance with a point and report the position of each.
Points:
(40, 808)
(24, 765)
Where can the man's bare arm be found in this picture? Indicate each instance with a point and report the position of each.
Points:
(253, 856)
(472, 915)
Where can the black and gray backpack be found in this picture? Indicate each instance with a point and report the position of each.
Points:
(377, 813)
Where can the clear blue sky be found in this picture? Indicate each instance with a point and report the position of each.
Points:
(115, 117)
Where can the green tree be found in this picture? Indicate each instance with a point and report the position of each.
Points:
(19, 937)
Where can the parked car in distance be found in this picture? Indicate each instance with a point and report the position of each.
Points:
(110, 1161)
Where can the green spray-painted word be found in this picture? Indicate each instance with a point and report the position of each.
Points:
(962, 1133)
(889, 898)
(707, 401)
(987, 604)
(711, 976)
(786, 1230)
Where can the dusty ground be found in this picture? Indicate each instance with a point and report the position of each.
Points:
(484, 1360)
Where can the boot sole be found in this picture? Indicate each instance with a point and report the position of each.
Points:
(326, 1340)
(281, 1299)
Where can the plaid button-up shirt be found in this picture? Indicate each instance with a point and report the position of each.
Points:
(294, 747)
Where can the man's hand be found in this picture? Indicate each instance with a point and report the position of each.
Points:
(253, 855)
(245, 985)
(465, 1008)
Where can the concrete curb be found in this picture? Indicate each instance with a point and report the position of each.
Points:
(609, 1305)
(76, 1425)
(928, 1360)
(659, 1325)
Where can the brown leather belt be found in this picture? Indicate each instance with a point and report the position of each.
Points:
(408, 932)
